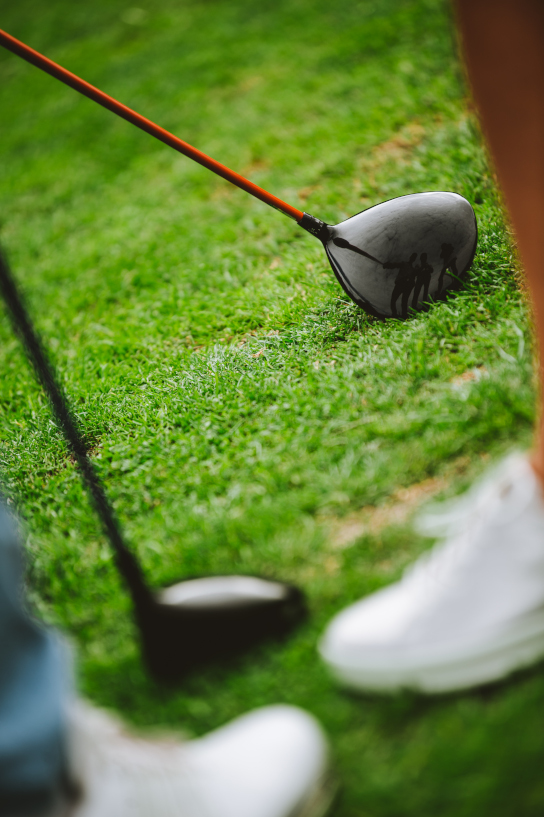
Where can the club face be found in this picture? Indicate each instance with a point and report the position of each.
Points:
(203, 620)
(222, 592)
(398, 255)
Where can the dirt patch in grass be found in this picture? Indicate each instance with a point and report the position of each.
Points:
(345, 531)
(399, 147)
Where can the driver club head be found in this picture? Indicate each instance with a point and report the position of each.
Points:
(200, 621)
(402, 254)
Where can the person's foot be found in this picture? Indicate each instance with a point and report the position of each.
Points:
(468, 612)
(269, 763)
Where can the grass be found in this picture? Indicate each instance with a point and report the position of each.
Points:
(243, 414)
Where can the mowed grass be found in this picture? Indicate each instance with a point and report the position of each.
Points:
(244, 415)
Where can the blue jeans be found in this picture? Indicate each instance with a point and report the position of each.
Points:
(33, 692)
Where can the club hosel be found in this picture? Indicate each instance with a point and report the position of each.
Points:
(316, 227)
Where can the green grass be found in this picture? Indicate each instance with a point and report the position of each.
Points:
(238, 407)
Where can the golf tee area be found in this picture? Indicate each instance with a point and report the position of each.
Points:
(245, 416)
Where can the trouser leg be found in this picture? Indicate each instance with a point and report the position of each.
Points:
(34, 688)
(504, 48)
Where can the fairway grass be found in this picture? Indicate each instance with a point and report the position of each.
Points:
(245, 416)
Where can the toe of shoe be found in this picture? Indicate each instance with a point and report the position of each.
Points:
(360, 642)
(268, 763)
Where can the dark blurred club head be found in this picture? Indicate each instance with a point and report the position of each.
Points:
(204, 620)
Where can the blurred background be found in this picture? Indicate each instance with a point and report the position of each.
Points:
(244, 415)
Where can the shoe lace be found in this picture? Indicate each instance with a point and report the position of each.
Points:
(458, 522)
(481, 501)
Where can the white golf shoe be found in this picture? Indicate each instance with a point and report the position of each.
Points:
(470, 611)
(269, 763)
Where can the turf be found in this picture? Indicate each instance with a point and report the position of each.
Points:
(243, 414)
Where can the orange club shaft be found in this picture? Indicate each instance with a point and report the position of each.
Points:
(88, 90)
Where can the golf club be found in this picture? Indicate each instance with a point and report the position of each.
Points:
(193, 622)
(373, 254)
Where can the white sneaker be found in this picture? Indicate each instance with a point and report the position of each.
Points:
(468, 612)
(269, 763)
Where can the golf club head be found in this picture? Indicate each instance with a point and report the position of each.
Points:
(403, 253)
(200, 621)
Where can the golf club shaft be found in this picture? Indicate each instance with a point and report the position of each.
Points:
(50, 67)
(22, 324)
